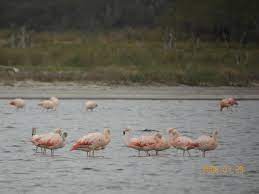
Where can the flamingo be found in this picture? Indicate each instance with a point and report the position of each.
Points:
(36, 138)
(207, 143)
(181, 142)
(18, 103)
(53, 141)
(90, 105)
(227, 102)
(48, 104)
(93, 141)
(143, 143)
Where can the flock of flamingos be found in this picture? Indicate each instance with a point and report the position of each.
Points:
(95, 141)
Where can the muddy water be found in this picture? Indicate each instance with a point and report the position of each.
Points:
(117, 169)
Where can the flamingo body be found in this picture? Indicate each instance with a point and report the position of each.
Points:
(93, 141)
(47, 104)
(90, 105)
(207, 143)
(17, 103)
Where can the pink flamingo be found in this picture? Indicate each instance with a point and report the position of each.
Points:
(52, 141)
(93, 142)
(18, 103)
(36, 138)
(228, 102)
(181, 142)
(143, 143)
(207, 143)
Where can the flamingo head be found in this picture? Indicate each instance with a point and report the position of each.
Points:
(126, 130)
(215, 133)
(58, 130)
(106, 131)
(172, 131)
(232, 101)
(12, 103)
(158, 136)
(64, 135)
(54, 99)
(33, 131)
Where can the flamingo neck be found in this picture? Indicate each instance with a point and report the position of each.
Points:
(127, 137)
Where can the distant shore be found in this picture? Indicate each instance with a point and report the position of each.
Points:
(73, 90)
(121, 57)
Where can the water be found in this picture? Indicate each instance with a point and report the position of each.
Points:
(117, 169)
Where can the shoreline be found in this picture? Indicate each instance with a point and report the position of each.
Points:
(102, 91)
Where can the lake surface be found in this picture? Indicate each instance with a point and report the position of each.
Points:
(117, 169)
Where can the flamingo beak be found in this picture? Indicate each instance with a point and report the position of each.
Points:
(124, 133)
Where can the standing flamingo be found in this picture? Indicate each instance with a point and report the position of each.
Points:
(90, 105)
(207, 143)
(18, 103)
(227, 102)
(93, 142)
(53, 141)
(143, 143)
(181, 142)
(36, 138)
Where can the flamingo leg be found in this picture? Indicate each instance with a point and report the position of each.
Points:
(203, 154)
(156, 153)
(139, 153)
(36, 149)
(183, 152)
(188, 153)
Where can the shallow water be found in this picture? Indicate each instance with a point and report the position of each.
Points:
(117, 169)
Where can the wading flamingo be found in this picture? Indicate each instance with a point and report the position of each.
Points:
(207, 143)
(227, 102)
(36, 138)
(93, 141)
(53, 141)
(181, 142)
(18, 103)
(143, 143)
(90, 105)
